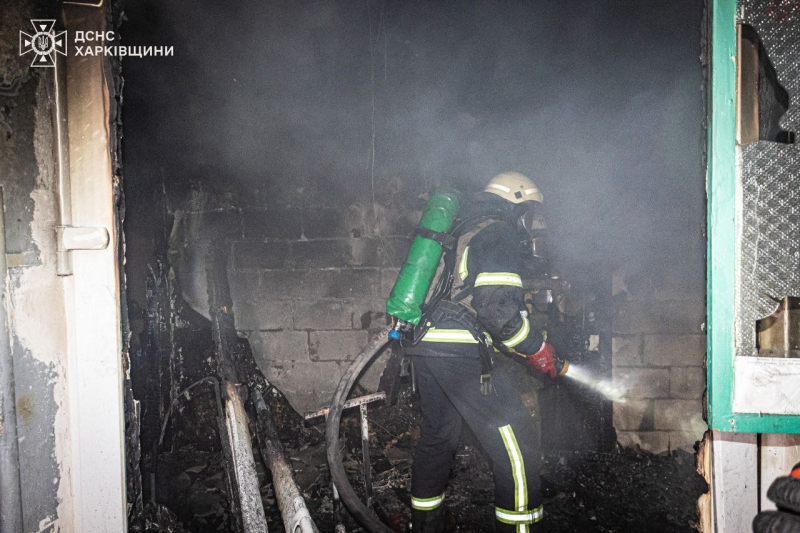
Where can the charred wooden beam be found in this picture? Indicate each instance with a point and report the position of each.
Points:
(253, 518)
(220, 309)
(294, 512)
(238, 450)
(224, 333)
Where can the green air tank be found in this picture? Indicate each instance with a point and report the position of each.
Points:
(414, 279)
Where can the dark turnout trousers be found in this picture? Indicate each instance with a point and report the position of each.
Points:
(450, 391)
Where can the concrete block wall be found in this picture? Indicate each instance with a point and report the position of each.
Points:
(309, 289)
(658, 356)
(308, 284)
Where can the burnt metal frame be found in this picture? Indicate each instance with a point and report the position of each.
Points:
(721, 190)
(361, 402)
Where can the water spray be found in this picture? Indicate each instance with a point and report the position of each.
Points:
(606, 387)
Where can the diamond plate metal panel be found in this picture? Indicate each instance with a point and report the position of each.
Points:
(769, 240)
(768, 214)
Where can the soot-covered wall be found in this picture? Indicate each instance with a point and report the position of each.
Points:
(34, 297)
(303, 133)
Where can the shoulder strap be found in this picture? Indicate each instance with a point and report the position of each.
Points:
(447, 241)
(448, 310)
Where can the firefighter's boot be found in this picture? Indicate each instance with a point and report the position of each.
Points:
(423, 521)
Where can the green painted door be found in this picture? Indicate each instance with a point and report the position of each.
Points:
(722, 184)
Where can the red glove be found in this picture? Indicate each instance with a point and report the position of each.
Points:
(543, 360)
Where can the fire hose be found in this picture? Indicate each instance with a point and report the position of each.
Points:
(360, 512)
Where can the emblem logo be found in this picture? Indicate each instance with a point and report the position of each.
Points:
(43, 43)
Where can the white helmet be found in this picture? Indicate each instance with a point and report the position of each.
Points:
(515, 188)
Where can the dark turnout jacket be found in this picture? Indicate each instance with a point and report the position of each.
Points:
(492, 263)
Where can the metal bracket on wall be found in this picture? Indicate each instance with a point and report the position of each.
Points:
(69, 238)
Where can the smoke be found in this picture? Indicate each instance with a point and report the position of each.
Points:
(694, 424)
(606, 387)
(599, 102)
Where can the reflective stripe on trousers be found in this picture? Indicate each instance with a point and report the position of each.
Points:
(521, 516)
(427, 504)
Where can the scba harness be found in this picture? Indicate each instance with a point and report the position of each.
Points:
(472, 333)
(440, 309)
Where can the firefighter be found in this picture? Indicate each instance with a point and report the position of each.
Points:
(451, 358)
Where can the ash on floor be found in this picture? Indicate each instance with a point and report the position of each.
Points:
(620, 491)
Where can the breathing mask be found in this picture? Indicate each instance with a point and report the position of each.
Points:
(531, 228)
